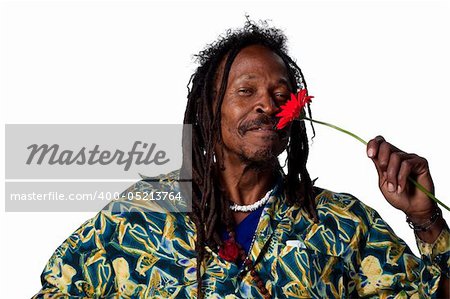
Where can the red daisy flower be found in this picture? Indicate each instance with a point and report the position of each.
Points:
(293, 107)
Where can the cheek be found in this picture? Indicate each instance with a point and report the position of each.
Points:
(229, 135)
(229, 121)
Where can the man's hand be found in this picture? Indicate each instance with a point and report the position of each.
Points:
(394, 166)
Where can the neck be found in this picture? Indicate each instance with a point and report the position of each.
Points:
(247, 183)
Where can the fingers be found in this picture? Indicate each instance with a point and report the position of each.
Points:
(372, 146)
(395, 169)
(380, 152)
(415, 165)
(393, 165)
(396, 160)
(405, 170)
(372, 151)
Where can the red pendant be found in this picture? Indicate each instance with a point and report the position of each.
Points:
(229, 251)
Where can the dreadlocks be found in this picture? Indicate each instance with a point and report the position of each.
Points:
(209, 208)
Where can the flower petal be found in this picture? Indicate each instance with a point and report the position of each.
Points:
(292, 108)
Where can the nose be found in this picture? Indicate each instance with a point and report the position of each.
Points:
(266, 104)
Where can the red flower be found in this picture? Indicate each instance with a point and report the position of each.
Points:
(229, 251)
(291, 110)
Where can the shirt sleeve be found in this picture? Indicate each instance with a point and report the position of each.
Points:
(386, 267)
(437, 253)
(79, 268)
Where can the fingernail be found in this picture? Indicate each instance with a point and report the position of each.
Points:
(391, 187)
(370, 153)
(399, 189)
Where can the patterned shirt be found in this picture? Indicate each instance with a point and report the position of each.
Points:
(129, 251)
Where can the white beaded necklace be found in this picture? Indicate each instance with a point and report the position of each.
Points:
(253, 207)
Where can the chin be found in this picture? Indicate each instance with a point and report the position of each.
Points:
(263, 155)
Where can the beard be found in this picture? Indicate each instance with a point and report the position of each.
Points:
(265, 158)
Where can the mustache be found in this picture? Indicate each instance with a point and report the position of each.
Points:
(264, 119)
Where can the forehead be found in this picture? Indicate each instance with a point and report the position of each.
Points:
(255, 61)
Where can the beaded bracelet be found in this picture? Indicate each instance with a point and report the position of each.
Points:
(423, 227)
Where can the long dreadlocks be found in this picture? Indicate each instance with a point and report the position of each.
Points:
(209, 207)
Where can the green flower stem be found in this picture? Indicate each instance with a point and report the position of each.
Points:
(419, 186)
(337, 128)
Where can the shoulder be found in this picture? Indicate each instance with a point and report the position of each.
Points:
(156, 194)
(344, 221)
(153, 206)
(342, 206)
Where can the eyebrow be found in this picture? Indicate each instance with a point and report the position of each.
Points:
(251, 77)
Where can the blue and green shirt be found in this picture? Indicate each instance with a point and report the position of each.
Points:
(130, 251)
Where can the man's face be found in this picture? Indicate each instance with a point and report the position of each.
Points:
(257, 86)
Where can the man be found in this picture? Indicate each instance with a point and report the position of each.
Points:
(254, 231)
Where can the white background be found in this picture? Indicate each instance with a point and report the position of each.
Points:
(373, 67)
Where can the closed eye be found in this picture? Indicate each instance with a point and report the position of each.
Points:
(281, 97)
(245, 91)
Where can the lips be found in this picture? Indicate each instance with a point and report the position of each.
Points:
(262, 124)
(262, 128)
(264, 131)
